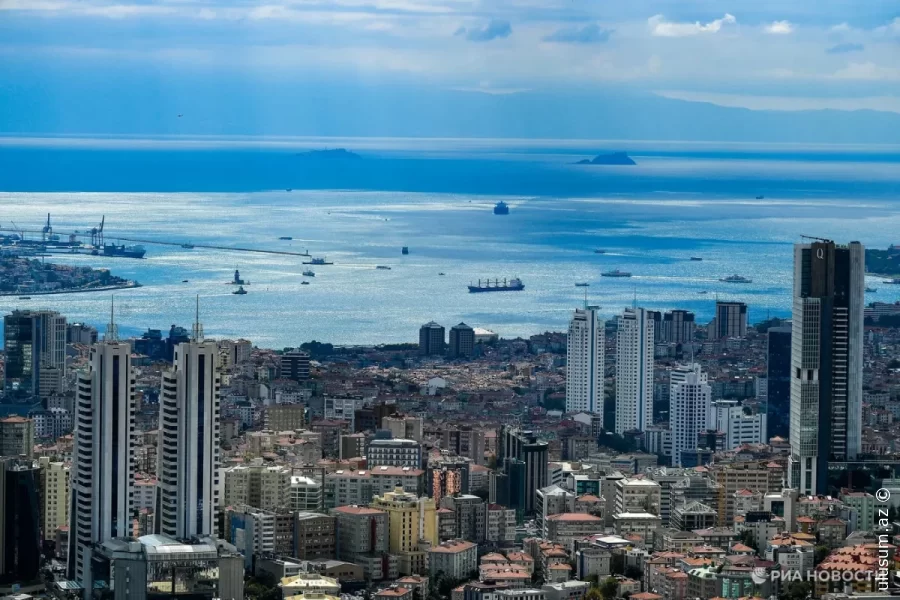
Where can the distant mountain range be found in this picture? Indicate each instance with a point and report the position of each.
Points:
(615, 158)
(337, 154)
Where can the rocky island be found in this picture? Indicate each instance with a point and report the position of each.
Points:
(615, 158)
(25, 276)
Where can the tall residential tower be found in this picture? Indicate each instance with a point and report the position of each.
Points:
(585, 362)
(634, 371)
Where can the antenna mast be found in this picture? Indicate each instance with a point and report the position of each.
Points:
(112, 330)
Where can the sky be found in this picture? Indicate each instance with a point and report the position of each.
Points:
(129, 58)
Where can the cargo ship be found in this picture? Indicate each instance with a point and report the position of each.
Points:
(736, 279)
(616, 273)
(696, 258)
(122, 250)
(501, 208)
(513, 285)
(404, 250)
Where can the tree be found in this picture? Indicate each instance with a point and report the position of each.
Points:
(609, 588)
(593, 594)
(796, 590)
(820, 553)
(617, 564)
(632, 572)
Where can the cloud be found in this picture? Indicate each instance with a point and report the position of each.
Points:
(845, 48)
(662, 28)
(779, 27)
(589, 34)
(867, 71)
(491, 31)
(787, 103)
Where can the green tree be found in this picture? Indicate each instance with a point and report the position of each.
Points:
(796, 590)
(609, 588)
(820, 553)
(632, 572)
(593, 594)
(617, 564)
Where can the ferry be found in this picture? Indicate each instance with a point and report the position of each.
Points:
(309, 273)
(582, 284)
(304, 283)
(696, 258)
(735, 279)
(513, 285)
(286, 238)
(240, 291)
(616, 273)
(501, 208)
(187, 246)
(318, 261)
(383, 267)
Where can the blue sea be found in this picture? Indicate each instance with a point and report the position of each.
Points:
(436, 197)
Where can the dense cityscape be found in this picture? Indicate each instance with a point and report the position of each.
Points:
(647, 456)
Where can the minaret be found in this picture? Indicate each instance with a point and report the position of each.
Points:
(103, 460)
(189, 438)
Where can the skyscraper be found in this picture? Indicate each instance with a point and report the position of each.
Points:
(525, 459)
(294, 365)
(431, 338)
(20, 521)
(634, 371)
(778, 381)
(35, 343)
(677, 327)
(826, 360)
(689, 403)
(462, 340)
(103, 460)
(189, 439)
(585, 362)
(730, 321)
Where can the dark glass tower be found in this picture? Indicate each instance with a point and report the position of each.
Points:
(778, 379)
(20, 529)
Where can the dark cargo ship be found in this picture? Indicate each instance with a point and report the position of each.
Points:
(513, 285)
(501, 208)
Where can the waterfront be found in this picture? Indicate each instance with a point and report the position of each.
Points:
(647, 218)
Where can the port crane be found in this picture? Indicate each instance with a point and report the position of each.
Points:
(97, 239)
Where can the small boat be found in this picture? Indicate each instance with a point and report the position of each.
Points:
(286, 238)
(871, 290)
(616, 273)
(404, 250)
(289, 189)
(309, 273)
(188, 246)
(383, 267)
(696, 258)
(184, 281)
(599, 251)
(760, 197)
(24, 297)
(240, 291)
(441, 273)
(703, 292)
(582, 284)
(304, 283)
(735, 279)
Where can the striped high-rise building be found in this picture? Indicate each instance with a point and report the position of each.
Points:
(826, 360)
(634, 370)
(585, 362)
(103, 461)
(189, 440)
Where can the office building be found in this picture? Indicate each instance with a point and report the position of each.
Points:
(285, 417)
(294, 365)
(689, 407)
(306, 494)
(826, 360)
(634, 371)
(585, 362)
(677, 327)
(738, 426)
(462, 341)
(730, 321)
(35, 346)
(189, 440)
(80, 333)
(412, 525)
(394, 453)
(778, 382)
(16, 437)
(363, 537)
(266, 487)
(431, 339)
(466, 441)
(469, 516)
(524, 458)
(404, 427)
(103, 462)
(456, 559)
(314, 536)
(20, 521)
(55, 497)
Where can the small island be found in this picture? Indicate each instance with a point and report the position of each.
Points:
(32, 277)
(615, 158)
(337, 154)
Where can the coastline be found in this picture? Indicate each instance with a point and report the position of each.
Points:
(106, 288)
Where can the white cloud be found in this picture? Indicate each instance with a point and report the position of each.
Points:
(787, 103)
(779, 27)
(867, 71)
(662, 28)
